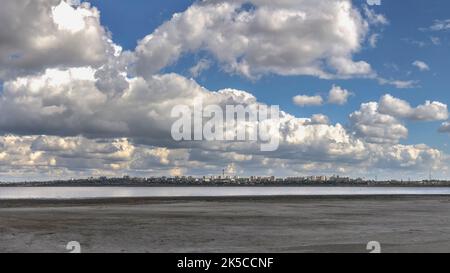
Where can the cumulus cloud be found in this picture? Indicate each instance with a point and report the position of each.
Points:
(338, 95)
(53, 34)
(422, 66)
(372, 126)
(71, 156)
(407, 157)
(318, 37)
(68, 103)
(304, 100)
(380, 122)
(131, 132)
(319, 119)
(430, 111)
(322, 148)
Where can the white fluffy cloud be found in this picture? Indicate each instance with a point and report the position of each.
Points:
(319, 119)
(67, 103)
(304, 100)
(407, 157)
(338, 95)
(430, 111)
(39, 34)
(380, 122)
(374, 127)
(291, 37)
(52, 156)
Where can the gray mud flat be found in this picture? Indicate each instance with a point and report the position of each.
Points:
(269, 224)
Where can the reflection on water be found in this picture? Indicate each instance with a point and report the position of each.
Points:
(115, 192)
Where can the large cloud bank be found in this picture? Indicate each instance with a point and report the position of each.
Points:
(73, 103)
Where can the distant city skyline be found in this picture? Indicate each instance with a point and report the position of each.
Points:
(224, 176)
(87, 87)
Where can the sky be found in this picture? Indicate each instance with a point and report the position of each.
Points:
(86, 89)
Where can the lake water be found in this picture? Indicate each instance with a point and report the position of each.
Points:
(10, 193)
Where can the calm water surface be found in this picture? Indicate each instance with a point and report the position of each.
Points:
(8, 193)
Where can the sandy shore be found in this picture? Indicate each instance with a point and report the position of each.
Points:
(269, 224)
